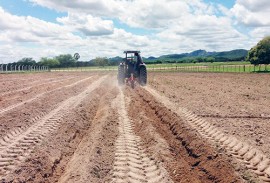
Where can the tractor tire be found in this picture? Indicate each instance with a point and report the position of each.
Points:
(121, 75)
(143, 76)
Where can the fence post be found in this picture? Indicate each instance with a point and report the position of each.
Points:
(244, 68)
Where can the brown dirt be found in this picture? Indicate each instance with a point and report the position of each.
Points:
(235, 103)
(199, 161)
(27, 113)
(12, 82)
(73, 152)
(217, 94)
(103, 134)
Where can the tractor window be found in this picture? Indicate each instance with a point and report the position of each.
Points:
(135, 58)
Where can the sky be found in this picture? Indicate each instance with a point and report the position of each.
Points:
(105, 28)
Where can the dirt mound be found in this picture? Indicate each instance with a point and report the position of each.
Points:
(199, 161)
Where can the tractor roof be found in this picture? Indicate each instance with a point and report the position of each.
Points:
(132, 52)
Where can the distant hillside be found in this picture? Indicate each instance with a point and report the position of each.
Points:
(198, 55)
(234, 55)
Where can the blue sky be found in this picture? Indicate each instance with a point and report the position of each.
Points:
(227, 3)
(40, 28)
(25, 8)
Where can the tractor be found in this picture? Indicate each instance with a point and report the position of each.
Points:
(132, 70)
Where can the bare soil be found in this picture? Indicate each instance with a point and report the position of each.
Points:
(237, 103)
(83, 127)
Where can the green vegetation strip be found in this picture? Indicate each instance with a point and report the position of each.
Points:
(236, 67)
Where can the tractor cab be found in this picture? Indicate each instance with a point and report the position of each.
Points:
(132, 70)
(132, 61)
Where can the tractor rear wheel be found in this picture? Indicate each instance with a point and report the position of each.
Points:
(121, 75)
(143, 76)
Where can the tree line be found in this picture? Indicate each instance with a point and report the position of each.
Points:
(186, 60)
(64, 61)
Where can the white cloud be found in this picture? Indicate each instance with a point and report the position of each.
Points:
(87, 24)
(176, 26)
(252, 13)
(95, 7)
(154, 14)
(31, 37)
(205, 32)
(29, 29)
(259, 33)
(135, 13)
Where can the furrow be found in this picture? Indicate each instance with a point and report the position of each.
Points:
(254, 159)
(132, 164)
(29, 87)
(29, 84)
(2, 111)
(17, 148)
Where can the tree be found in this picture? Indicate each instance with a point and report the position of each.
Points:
(260, 54)
(66, 60)
(199, 60)
(50, 62)
(210, 59)
(101, 61)
(26, 61)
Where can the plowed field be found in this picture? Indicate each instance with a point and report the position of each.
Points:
(83, 127)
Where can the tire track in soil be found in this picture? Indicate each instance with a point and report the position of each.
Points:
(7, 109)
(29, 84)
(34, 86)
(94, 156)
(18, 144)
(251, 157)
(132, 164)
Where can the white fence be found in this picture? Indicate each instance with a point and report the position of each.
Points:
(7, 68)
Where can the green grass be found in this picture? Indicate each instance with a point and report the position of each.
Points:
(197, 64)
(236, 67)
(94, 68)
(215, 68)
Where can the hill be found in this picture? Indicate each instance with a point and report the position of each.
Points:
(234, 55)
(195, 56)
